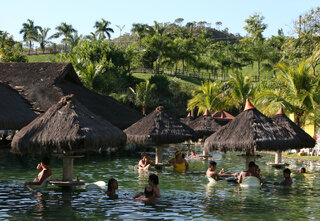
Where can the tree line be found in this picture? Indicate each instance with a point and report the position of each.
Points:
(105, 65)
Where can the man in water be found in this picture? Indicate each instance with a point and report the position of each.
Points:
(211, 172)
(287, 181)
(44, 173)
(149, 195)
(252, 171)
(302, 170)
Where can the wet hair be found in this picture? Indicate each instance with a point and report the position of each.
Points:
(154, 179)
(252, 164)
(110, 182)
(148, 191)
(287, 171)
(213, 163)
(45, 160)
(303, 170)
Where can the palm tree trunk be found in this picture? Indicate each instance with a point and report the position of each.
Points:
(144, 109)
(182, 66)
(258, 70)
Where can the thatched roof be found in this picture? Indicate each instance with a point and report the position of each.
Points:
(205, 125)
(43, 85)
(188, 119)
(67, 126)
(223, 117)
(160, 128)
(16, 112)
(282, 120)
(251, 131)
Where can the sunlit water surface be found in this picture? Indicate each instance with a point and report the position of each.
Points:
(184, 196)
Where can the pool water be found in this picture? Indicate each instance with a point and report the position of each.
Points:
(184, 196)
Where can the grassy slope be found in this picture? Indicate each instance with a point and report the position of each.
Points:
(42, 58)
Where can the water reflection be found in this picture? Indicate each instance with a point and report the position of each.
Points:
(184, 196)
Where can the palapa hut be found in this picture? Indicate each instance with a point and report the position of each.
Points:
(67, 127)
(305, 140)
(251, 131)
(204, 125)
(43, 85)
(188, 119)
(158, 128)
(16, 112)
(222, 117)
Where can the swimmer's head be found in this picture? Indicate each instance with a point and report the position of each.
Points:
(177, 153)
(154, 179)
(302, 170)
(286, 172)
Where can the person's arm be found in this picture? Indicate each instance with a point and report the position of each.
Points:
(43, 177)
(172, 161)
(240, 178)
(157, 192)
(138, 195)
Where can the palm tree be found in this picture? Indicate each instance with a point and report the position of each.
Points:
(64, 30)
(209, 96)
(102, 29)
(30, 32)
(43, 38)
(239, 88)
(143, 95)
(297, 91)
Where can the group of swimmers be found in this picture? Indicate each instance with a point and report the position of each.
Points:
(152, 191)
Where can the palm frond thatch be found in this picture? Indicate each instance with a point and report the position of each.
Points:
(67, 127)
(251, 131)
(16, 112)
(159, 128)
(43, 85)
(305, 139)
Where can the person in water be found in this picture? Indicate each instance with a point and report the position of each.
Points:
(302, 170)
(252, 171)
(193, 155)
(287, 181)
(211, 172)
(112, 187)
(144, 163)
(149, 195)
(178, 162)
(45, 172)
(153, 182)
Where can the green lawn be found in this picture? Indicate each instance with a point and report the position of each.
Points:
(42, 58)
(296, 156)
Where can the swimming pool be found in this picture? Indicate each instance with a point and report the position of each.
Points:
(184, 196)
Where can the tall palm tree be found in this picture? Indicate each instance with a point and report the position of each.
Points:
(102, 29)
(43, 38)
(30, 32)
(209, 96)
(64, 30)
(143, 95)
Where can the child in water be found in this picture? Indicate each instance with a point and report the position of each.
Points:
(287, 181)
(112, 187)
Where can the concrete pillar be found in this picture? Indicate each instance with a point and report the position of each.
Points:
(67, 169)
(278, 157)
(159, 154)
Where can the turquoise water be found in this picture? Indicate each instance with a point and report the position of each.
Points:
(184, 196)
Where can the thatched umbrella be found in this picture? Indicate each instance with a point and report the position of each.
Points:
(16, 112)
(305, 140)
(205, 125)
(158, 128)
(223, 117)
(188, 119)
(67, 127)
(251, 131)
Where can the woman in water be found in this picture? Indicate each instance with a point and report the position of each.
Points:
(179, 163)
(44, 174)
(112, 187)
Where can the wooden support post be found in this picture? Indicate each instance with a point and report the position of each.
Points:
(204, 153)
(159, 153)
(249, 158)
(278, 157)
(67, 169)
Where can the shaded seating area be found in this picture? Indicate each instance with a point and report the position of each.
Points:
(68, 128)
(159, 128)
(251, 131)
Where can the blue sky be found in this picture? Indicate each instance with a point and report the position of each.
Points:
(82, 14)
